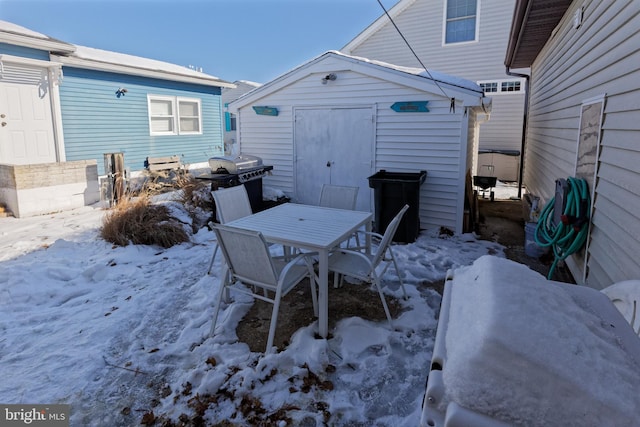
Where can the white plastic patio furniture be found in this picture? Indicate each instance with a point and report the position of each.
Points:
(231, 203)
(364, 266)
(309, 228)
(338, 196)
(249, 261)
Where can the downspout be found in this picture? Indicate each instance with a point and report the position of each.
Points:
(524, 125)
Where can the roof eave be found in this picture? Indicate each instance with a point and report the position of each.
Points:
(468, 96)
(51, 45)
(532, 26)
(137, 71)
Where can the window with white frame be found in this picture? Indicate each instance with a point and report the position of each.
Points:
(460, 21)
(512, 86)
(502, 87)
(174, 115)
(489, 87)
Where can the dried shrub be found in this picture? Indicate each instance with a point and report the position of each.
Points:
(194, 193)
(195, 196)
(140, 222)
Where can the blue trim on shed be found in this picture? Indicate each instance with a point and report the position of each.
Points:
(25, 52)
(96, 121)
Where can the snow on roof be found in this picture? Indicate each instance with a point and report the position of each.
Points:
(10, 27)
(97, 58)
(109, 57)
(465, 87)
(16, 34)
(421, 72)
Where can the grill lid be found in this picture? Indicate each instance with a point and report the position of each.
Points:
(234, 164)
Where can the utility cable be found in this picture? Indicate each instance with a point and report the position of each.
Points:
(570, 234)
(414, 52)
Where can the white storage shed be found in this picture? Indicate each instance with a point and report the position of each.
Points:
(339, 119)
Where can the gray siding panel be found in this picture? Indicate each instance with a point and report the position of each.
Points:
(405, 142)
(598, 58)
(422, 25)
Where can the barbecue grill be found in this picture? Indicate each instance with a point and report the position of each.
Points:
(244, 169)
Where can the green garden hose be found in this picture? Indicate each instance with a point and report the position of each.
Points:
(570, 234)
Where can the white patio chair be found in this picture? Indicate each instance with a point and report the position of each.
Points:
(249, 261)
(338, 196)
(364, 266)
(231, 203)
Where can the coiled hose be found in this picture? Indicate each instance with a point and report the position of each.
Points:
(570, 234)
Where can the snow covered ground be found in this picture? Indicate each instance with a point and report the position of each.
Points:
(120, 332)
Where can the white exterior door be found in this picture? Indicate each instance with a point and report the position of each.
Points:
(334, 146)
(26, 123)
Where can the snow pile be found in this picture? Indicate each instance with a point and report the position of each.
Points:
(123, 332)
(532, 352)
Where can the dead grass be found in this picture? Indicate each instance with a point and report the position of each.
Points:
(140, 222)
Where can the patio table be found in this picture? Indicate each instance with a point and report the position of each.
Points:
(312, 228)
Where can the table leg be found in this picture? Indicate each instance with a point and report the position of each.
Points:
(367, 241)
(323, 297)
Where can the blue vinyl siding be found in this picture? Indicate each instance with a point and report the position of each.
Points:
(25, 52)
(95, 121)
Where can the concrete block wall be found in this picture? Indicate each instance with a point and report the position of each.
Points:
(37, 189)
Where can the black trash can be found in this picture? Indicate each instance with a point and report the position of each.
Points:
(391, 191)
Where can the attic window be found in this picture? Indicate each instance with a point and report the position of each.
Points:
(171, 115)
(460, 21)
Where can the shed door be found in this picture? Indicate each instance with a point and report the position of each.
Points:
(334, 146)
(26, 124)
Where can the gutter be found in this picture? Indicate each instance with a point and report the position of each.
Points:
(524, 125)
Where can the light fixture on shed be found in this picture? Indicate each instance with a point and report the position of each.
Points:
(328, 77)
(120, 92)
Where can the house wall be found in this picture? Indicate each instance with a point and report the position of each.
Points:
(404, 142)
(422, 25)
(228, 95)
(95, 121)
(29, 190)
(577, 64)
(25, 52)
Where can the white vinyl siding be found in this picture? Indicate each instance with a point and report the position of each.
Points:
(600, 57)
(423, 24)
(403, 142)
(170, 115)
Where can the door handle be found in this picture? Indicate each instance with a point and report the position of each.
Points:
(4, 124)
(2, 116)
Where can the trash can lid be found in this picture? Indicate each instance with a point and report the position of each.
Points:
(383, 175)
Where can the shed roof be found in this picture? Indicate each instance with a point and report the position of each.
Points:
(97, 59)
(429, 81)
(532, 25)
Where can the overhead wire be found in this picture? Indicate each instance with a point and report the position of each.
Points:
(415, 54)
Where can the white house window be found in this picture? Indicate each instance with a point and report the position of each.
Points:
(502, 87)
(489, 87)
(461, 21)
(171, 115)
(511, 86)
